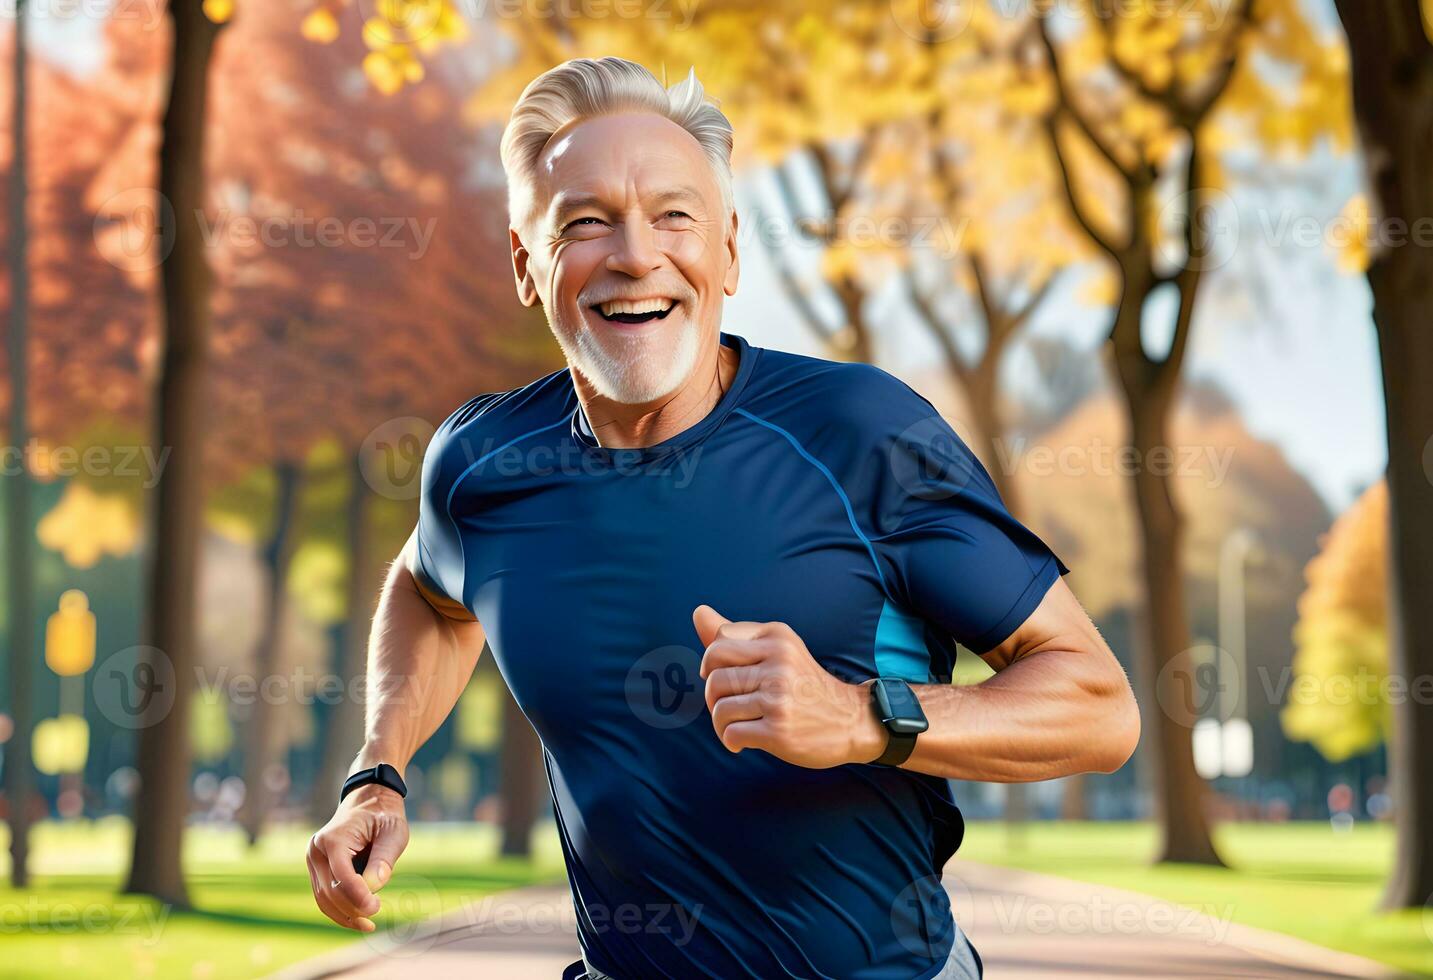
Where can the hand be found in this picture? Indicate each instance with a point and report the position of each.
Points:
(369, 823)
(765, 691)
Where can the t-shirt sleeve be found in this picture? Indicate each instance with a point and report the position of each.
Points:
(948, 548)
(440, 563)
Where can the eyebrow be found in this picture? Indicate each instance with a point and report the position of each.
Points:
(565, 204)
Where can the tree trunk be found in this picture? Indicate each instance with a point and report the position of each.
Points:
(1392, 61)
(854, 337)
(343, 736)
(20, 530)
(163, 756)
(521, 764)
(1075, 801)
(261, 733)
(1179, 790)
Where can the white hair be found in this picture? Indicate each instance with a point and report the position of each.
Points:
(587, 87)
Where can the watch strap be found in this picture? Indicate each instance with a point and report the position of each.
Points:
(898, 749)
(383, 774)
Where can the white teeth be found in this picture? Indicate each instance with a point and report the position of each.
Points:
(636, 306)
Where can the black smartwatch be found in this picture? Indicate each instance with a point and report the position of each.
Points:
(383, 774)
(899, 711)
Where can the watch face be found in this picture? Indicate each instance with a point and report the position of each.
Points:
(900, 709)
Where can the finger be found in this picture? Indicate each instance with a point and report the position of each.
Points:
(741, 735)
(707, 620)
(326, 906)
(342, 884)
(357, 923)
(725, 682)
(737, 707)
(388, 843)
(323, 898)
(712, 626)
(333, 902)
(726, 651)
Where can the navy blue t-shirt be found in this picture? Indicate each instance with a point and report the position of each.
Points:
(827, 496)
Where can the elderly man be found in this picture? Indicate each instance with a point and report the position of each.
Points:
(724, 583)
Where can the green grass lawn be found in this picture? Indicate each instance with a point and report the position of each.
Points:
(254, 911)
(255, 914)
(1302, 879)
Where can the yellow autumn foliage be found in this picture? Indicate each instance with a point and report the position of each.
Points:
(397, 33)
(320, 26)
(86, 526)
(1338, 696)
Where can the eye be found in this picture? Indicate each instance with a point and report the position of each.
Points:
(677, 214)
(582, 222)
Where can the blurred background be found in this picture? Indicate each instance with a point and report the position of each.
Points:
(1164, 265)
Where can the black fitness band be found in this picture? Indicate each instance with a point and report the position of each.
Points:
(383, 774)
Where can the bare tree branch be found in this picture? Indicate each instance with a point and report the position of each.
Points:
(989, 306)
(1188, 279)
(1020, 316)
(790, 199)
(1185, 111)
(943, 336)
(1067, 102)
(1067, 178)
(1104, 16)
(1196, 112)
(795, 289)
(841, 187)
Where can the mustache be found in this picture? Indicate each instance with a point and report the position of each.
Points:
(599, 294)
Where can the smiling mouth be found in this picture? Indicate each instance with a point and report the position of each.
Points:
(634, 311)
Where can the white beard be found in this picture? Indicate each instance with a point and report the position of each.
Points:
(631, 370)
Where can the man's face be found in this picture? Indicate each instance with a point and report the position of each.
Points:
(630, 251)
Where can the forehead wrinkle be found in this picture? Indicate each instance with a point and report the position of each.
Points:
(564, 200)
(561, 142)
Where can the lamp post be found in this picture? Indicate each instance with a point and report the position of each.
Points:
(1236, 741)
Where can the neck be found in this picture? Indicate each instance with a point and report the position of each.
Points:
(621, 426)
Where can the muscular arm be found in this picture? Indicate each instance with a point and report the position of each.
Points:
(1059, 704)
(421, 654)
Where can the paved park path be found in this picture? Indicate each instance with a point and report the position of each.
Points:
(1027, 927)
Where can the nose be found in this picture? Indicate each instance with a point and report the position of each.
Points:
(635, 252)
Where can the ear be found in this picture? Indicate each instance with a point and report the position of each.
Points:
(522, 271)
(733, 269)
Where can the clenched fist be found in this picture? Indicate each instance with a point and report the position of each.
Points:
(765, 691)
(369, 825)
